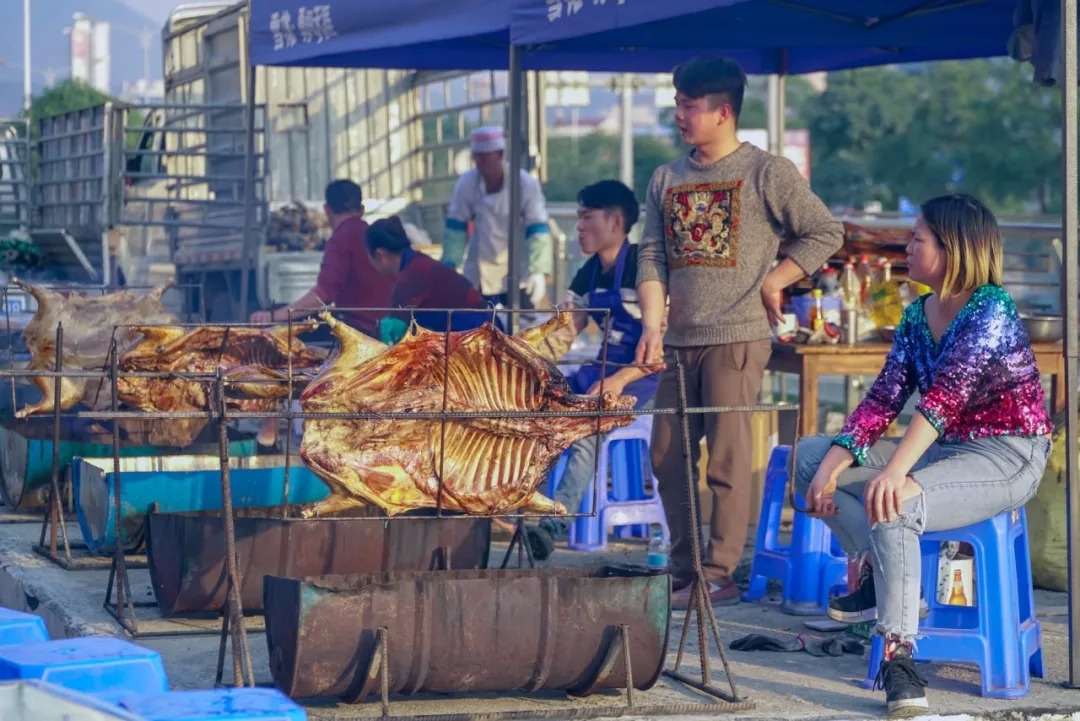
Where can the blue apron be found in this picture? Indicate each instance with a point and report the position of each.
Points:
(624, 332)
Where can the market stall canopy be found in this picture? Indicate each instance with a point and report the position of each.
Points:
(405, 34)
(765, 36)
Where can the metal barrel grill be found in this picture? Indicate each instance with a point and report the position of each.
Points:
(177, 484)
(467, 631)
(186, 551)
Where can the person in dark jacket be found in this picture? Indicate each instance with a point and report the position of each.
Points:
(420, 282)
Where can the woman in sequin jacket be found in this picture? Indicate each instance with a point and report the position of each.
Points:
(976, 446)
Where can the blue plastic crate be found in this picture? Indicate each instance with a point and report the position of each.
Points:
(19, 627)
(225, 704)
(99, 666)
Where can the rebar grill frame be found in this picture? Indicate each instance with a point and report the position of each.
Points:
(233, 621)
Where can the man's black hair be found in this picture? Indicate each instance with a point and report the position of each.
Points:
(388, 234)
(609, 195)
(719, 79)
(344, 196)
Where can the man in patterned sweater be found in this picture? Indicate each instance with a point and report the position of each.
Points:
(714, 222)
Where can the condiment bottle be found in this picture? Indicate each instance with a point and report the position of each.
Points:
(849, 286)
(817, 312)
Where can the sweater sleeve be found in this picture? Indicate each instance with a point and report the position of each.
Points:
(963, 364)
(814, 233)
(537, 230)
(885, 399)
(456, 234)
(652, 250)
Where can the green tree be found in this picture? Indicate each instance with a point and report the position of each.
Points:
(65, 97)
(71, 95)
(980, 127)
(850, 123)
(1014, 157)
(574, 163)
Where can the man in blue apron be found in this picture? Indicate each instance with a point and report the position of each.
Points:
(608, 280)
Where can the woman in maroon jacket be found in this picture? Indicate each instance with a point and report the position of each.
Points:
(419, 282)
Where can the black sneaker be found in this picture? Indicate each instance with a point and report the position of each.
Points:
(905, 689)
(540, 542)
(860, 605)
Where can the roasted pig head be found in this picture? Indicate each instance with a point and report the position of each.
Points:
(489, 465)
(89, 322)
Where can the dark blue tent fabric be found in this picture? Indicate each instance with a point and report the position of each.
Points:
(766, 36)
(406, 34)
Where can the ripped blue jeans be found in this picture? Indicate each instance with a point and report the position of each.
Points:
(962, 483)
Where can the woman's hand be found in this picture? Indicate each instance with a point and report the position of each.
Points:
(885, 495)
(819, 497)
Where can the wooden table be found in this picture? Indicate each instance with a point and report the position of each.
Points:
(811, 362)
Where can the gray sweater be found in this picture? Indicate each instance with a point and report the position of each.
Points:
(712, 232)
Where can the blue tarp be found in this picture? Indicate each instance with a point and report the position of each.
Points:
(406, 34)
(766, 36)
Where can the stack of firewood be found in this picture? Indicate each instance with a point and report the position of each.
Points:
(296, 227)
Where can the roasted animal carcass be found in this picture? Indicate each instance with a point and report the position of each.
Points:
(488, 465)
(89, 322)
(254, 363)
(890, 243)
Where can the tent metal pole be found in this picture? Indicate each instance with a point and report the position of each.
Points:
(515, 87)
(250, 241)
(1070, 228)
(776, 108)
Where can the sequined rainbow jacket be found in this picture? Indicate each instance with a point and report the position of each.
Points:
(979, 380)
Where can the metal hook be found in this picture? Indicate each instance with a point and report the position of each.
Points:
(413, 325)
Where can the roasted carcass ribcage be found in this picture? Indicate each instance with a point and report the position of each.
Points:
(254, 361)
(254, 364)
(90, 323)
(487, 464)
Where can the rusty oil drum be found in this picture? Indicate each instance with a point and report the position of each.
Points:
(186, 551)
(467, 631)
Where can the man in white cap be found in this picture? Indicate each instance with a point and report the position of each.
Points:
(482, 197)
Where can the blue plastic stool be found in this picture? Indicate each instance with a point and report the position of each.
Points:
(19, 627)
(811, 567)
(104, 667)
(225, 704)
(630, 466)
(624, 459)
(1000, 634)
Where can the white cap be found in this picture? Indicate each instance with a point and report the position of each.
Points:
(487, 139)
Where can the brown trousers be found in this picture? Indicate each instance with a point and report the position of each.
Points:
(722, 375)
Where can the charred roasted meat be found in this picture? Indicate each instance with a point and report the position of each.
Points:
(89, 323)
(890, 243)
(253, 361)
(488, 465)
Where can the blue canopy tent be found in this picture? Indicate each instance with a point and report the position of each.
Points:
(799, 36)
(765, 36)
(403, 34)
